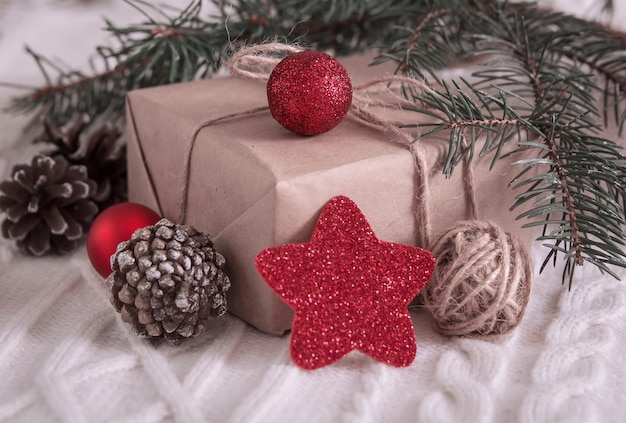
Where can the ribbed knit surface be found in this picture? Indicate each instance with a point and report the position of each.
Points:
(66, 356)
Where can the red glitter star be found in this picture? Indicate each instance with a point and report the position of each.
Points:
(348, 289)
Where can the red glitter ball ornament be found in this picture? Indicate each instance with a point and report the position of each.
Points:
(309, 92)
(348, 289)
(114, 225)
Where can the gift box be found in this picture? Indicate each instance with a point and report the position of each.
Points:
(251, 184)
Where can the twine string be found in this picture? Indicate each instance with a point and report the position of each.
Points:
(359, 109)
(188, 154)
(257, 62)
(470, 194)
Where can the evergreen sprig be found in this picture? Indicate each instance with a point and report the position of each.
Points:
(161, 50)
(551, 84)
(546, 84)
(166, 49)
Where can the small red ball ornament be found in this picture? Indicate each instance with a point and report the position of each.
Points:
(114, 225)
(309, 92)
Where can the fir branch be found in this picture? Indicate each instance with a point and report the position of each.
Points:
(419, 30)
(435, 42)
(156, 52)
(535, 88)
(167, 49)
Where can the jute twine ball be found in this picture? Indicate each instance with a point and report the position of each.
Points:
(482, 280)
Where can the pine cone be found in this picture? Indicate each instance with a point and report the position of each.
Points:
(167, 280)
(101, 152)
(48, 205)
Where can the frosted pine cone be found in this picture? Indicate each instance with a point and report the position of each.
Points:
(167, 280)
(48, 205)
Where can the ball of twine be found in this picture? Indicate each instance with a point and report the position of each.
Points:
(482, 281)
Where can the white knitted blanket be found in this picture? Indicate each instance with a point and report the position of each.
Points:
(65, 355)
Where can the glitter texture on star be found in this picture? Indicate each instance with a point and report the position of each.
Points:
(348, 289)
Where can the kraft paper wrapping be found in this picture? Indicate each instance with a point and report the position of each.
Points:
(253, 184)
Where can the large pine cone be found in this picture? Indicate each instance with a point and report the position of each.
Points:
(167, 280)
(48, 205)
(101, 151)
